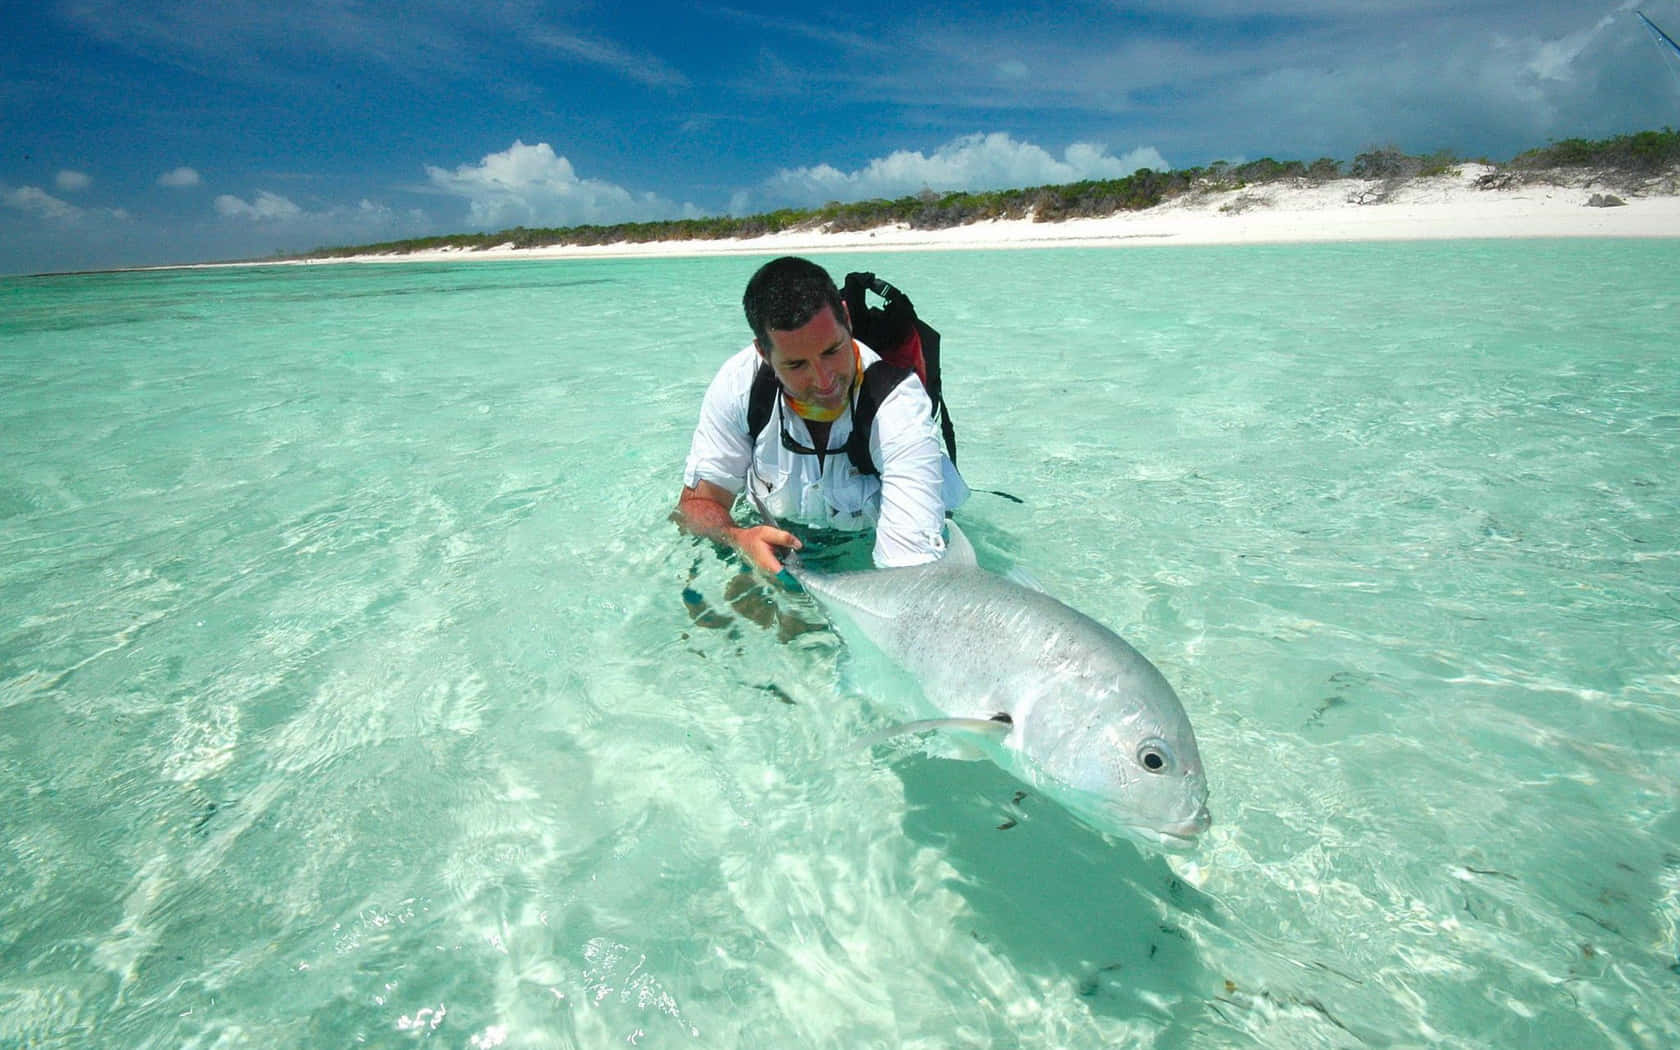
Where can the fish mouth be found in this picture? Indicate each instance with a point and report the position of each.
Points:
(1200, 822)
(1178, 836)
(1171, 833)
(1167, 841)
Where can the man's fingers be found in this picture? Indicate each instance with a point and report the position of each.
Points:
(760, 549)
(787, 539)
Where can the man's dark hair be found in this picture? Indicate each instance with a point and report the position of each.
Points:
(785, 294)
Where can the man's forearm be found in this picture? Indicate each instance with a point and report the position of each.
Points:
(702, 511)
(703, 515)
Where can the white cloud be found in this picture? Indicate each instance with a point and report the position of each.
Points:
(1476, 90)
(267, 223)
(36, 201)
(641, 67)
(1557, 59)
(972, 162)
(71, 181)
(180, 178)
(277, 215)
(533, 186)
(264, 207)
(269, 43)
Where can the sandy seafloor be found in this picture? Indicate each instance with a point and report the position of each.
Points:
(347, 697)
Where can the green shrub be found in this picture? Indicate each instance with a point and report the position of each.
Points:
(1643, 152)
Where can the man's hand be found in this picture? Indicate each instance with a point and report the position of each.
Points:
(704, 511)
(763, 545)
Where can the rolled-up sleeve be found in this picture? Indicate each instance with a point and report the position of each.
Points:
(906, 445)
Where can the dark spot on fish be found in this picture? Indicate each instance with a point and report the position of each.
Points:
(1019, 795)
(209, 811)
(1003, 716)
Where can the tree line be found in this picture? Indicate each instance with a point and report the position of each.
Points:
(1646, 152)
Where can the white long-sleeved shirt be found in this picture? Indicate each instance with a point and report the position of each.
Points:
(905, 503)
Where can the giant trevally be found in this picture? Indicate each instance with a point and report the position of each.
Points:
(1071, 708)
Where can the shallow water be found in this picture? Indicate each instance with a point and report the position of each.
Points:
(347, 698)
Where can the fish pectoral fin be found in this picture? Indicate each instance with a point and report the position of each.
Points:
(990, 728)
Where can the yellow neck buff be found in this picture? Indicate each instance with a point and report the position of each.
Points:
(817, 413)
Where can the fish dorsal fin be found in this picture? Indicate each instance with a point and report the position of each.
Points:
(958, 551)
(1017, 574)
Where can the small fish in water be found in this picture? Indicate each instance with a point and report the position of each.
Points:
(1071, 708)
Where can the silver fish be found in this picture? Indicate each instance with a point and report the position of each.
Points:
(1069, 707)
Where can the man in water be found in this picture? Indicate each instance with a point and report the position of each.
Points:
(798, 467)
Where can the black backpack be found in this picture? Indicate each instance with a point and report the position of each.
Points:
(906, 344)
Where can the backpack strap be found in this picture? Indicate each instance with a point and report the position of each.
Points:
(935, 388)
(761, 401)
(879, 380)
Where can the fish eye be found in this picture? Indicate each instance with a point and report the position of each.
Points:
(1154, 756)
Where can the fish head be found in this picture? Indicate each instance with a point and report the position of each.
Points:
(1139, 776)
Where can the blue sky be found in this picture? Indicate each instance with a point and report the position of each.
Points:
(154, 131)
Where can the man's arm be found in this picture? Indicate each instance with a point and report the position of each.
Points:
(906, 446)
(703, 510)
(722, 449)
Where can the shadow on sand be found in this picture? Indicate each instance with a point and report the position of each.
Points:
(1062, 901)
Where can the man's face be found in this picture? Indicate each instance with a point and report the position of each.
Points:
(815, 363)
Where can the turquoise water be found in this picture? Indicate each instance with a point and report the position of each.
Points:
(346, 695)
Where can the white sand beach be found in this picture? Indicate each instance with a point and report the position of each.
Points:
(1443, 207)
